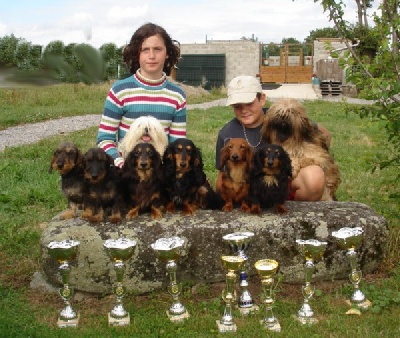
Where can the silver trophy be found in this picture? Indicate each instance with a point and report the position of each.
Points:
(64, 253)
(168, 250)
(350, 239)
(239, 242)
(266, 269)
(119, 250)
(312, 250)
(232, 264)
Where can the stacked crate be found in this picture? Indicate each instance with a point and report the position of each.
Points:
(333, 88)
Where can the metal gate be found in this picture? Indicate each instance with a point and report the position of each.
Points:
(286, 63)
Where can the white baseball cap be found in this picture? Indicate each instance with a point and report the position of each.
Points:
(243, 89)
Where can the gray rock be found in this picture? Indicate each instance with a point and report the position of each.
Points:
(274, 238)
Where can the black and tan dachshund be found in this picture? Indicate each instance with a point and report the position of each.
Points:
(142, 181)
(270, 178)
(68, 161)
(101, 197)
(185, 180)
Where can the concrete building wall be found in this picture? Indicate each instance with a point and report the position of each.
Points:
(242, 57)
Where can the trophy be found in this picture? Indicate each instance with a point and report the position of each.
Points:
(168, 250)
(312, 251)
(350, 239)
(119, 250)
(64, 253)
(266, 269)
(232, 264)
(239, 242)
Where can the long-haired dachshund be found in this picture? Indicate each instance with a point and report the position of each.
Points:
(186, 183)
(68, 160)
(287, 124)
(101, 197)
(270, 177)
(142, 179)
(233, 181)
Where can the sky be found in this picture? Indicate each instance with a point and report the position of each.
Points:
(189, 21)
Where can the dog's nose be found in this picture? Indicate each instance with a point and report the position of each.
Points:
(143, 164)
(146, 130)
(235, 157)
(183, 164)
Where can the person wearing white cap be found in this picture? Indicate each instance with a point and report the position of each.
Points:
(247, 99)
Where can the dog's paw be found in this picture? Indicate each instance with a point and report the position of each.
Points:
(156, 213)
(67, 214)
(115, 218)
(227, 207)
(281, 209)
(255, 209)
(134, 212)
(245, 207)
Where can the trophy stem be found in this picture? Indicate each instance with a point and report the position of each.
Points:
(177, 309)
(358, 298)
(226, 322)
(65, 252)
(118, 312)
(66, 293)
(306, 315)
(270, 321)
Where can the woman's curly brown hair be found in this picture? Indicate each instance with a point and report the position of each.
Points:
(131, 52)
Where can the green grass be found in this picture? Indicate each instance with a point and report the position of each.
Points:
(30, 197)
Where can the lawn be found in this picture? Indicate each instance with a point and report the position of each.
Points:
(30, 197)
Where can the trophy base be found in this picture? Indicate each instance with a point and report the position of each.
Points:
(118, 321)
(275, 327)
(244, 311)
(68, 323)
(365, 305)
(226, 328)
(178, 318)
(306, 320)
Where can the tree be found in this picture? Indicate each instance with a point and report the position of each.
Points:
(377, 78)
(8, 45)
(327, 32)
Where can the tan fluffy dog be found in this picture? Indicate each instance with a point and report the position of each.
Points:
(144, 129)
(287, 124)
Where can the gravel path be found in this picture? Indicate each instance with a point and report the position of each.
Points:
(31, 133)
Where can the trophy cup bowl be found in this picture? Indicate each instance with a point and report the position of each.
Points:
(266, 269)
(232, 264)
(119, 250)
(312, 250)
(168, 250)
(350, 239)
(239, 242)
(64, 253)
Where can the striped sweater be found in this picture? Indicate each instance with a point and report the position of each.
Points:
(136, 96)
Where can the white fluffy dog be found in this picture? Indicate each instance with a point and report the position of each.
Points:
(144, 129)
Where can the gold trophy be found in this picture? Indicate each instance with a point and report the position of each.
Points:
(119, 250)
(64, 253)
(266, 269)
(239, 243)
(312, 250)
(232, 264)
(350, 239)
(168, 250)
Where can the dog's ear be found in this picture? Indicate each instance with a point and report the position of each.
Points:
(286, 163)
(224, 157)
(197, 158)
(169, 161)
(257, 162)
(80, 160)
(249, 156)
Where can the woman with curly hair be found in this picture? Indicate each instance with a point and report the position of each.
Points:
(150, 56)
